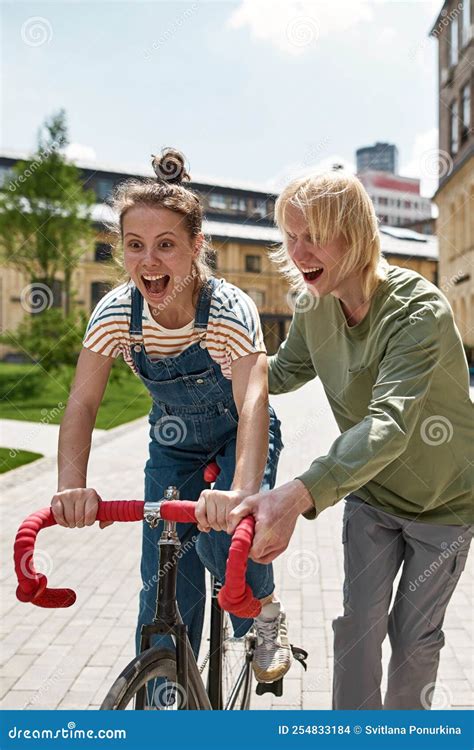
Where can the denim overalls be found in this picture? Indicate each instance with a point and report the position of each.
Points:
(193, 421)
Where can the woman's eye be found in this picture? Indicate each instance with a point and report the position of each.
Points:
(134, 245)
(166, 244)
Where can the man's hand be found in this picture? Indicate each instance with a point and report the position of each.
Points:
(214, 506)
(276, 512)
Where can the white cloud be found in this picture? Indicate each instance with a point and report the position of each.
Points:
(293, 26)
(426, 160)
(80, 152)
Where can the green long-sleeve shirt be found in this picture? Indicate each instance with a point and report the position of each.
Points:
(398, 386)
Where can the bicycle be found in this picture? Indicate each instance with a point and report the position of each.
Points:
(160, 678)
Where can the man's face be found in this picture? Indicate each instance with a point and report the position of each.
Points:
(319, 265)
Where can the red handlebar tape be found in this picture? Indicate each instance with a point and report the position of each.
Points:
(235, 596)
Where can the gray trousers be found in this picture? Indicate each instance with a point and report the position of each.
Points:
(375, 546)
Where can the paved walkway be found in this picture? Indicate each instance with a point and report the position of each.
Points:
(33, 436)
(67, 658)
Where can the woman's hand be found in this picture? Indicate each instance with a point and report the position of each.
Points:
(76, 508)
(214, 506)
(276, 512)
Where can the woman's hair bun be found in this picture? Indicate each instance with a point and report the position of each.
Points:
(170, 167)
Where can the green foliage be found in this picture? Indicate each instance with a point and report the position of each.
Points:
(49, 338)
(45, 219)
(20, 382)
(11, 458)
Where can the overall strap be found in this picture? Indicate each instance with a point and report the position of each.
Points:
(204, 303)
(136, 333)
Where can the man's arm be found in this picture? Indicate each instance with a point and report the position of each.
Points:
(398, 396)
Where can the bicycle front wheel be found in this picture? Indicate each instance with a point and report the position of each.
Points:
(148, 682)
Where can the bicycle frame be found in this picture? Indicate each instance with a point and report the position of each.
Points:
(167, 619)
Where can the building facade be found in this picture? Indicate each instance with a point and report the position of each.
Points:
(382, 157)
(454, 32)
(239, 220)
(396, 199)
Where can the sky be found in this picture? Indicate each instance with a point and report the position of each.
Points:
(252, 90)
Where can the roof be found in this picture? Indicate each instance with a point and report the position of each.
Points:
(141, 170)
(394, 240)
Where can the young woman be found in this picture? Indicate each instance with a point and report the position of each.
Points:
(196, 344)
(383, 341)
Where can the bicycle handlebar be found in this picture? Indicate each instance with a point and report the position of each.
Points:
(235, 596)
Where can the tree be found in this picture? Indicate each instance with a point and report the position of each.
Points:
(45, 212)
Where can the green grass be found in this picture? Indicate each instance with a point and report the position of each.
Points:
(11, 458)
(124, 399)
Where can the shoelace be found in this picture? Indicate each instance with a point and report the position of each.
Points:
(268, 630)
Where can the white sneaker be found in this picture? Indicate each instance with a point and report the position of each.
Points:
(272, 657)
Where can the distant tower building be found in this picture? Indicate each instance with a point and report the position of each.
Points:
(383, 157)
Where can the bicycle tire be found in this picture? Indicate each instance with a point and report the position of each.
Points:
(236, 670)
(152, 664)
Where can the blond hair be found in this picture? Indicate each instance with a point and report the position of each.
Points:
(167, 191)
(335, 204)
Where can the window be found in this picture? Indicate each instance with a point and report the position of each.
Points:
(253, 263)
(103, 252)
(383, 201)
(98, 290)
(465, 112)
(454, 140)
(218, 201)
(466, 22)
(407, 204)
(5, 175)
(453, 42)
(103, 188)
(259, 207)
(238, 204)
(257, 296)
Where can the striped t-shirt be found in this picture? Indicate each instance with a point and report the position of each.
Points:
(233, 329)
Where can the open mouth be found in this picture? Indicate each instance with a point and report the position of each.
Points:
(155, 285)
(311, 274)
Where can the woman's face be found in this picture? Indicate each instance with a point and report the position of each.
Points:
(158, 254)
(319, 265)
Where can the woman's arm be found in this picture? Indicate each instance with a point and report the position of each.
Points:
(249, 385)
(292, 366)
(74, 504)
